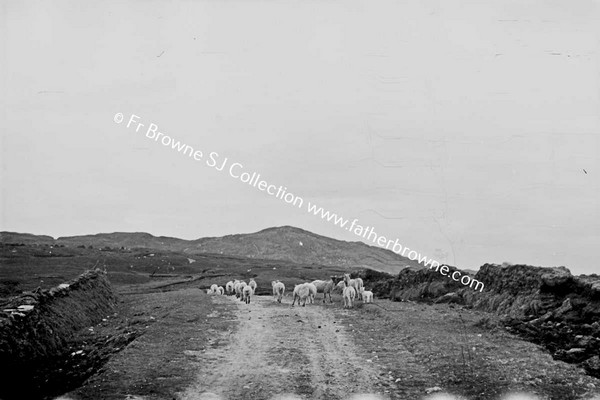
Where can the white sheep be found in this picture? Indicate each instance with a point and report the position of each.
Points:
(320, 285)
(214, 288)
(208, 291)
(349, 294)
(220, 290)
(241, 287)
(238, 287)
(367, 296)
(357, 284)
(312, 292)
(253, 285)
(359, 287)
(246, 293)
(229, 287)
(327, 287)
(278, 290)
(301, 292)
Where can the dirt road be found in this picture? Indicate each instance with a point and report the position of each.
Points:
(280, 350)
(197, 346)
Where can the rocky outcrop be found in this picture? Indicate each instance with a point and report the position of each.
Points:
(522, 291)
(555, 309)
(413, 284)
(548, 306)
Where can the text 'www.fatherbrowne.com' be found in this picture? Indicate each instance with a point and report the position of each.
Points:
(237, 171)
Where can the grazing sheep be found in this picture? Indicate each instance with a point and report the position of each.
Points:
(320, 285)
(238, 287)
(278, 290)
(213, 288)
(242, 286)
(312, 292)
(301, 292)
(220, 290)
(367, 296)
(246, 293)
(208, 291)
(359, 287)
(357, 284)
(229, 287)
(253, 285)
(348, 281)
(349, 294)
(327, 287)
(334, 281)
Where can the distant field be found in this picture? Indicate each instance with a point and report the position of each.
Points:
(26, 267)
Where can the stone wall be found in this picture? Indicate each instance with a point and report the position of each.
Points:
(36, 326)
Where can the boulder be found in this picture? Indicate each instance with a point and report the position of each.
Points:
(451, 297)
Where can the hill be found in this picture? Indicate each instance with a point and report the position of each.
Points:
(126, 239)
(301, 246)
(284, 243)
(25, 238)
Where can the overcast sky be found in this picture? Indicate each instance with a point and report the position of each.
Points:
(463, 128)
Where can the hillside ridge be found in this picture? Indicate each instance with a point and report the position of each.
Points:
(285, 242)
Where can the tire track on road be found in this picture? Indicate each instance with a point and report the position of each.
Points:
(279, 350)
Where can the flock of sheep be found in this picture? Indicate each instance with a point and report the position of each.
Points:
(351, 289)
(241, 289)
